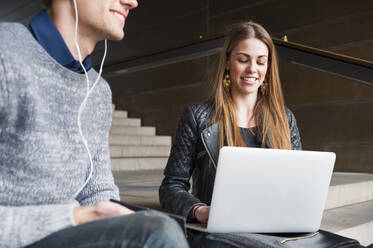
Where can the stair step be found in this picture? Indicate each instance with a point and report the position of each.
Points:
(139, 151)
(349, 188)
(140, 187)
(113, 107)
(354, 221)
(140, 140)
(120, 114)
(131, 164)
(131, 122)
(132, 130)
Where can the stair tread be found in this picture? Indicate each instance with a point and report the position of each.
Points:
(121, 118)
(349, 188)
(119, 139)
(124, 122)
(139, 163)
(140, 146)
(344, 217)
(131, 130)
(342, 178)
(140, 127)
(127, 151)
(142, 136)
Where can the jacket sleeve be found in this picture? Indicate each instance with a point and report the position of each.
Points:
(22, 226)
(294, 132)
(174, 191)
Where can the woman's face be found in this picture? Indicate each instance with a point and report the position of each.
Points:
(248, 65)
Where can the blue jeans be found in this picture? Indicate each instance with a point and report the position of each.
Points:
(198, 239)
(148, 229)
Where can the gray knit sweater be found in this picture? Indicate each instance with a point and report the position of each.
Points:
(43, 161)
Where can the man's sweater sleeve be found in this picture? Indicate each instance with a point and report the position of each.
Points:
(101, 186)
(22, 226)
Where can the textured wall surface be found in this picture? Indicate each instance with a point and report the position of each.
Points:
(333, 113)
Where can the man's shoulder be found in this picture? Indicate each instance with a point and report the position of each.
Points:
(10, 29)
(11, 33)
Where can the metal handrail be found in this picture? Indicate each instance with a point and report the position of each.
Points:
(321, 52)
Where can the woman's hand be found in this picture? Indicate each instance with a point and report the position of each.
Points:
(202, 213)
(98, 211)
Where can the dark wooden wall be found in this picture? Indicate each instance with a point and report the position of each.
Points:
(333, 113)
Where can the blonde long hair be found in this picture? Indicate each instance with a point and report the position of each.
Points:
(269, 111)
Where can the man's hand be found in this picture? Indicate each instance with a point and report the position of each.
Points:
(98, 211)
(202, 213)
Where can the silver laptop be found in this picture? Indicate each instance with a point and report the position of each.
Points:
(269, 191)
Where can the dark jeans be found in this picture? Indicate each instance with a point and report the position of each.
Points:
(198, 239)
(142, 229)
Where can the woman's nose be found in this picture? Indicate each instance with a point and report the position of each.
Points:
(251, 66)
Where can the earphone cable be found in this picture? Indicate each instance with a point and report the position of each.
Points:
(83, 104)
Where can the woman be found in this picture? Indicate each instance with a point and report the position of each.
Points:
(245, 109)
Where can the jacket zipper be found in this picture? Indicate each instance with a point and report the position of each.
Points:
(207, 150)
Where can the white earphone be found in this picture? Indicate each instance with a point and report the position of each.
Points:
(89, 90)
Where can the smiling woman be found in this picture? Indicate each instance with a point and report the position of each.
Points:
(246, 108)
(249, 62)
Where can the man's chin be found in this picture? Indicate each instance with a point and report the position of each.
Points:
(116, 36)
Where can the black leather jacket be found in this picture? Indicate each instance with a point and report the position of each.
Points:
(194, 153)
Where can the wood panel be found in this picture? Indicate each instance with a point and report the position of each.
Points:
(157, 26)
(285, 15)
(334, 34)
(306, 86)
(160, 78)
(336, 123)
(350, 157)
(157, 100)
(19, 11)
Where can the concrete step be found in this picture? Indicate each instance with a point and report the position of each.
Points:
(120, 114)
(349, 188)
(140, 140)
(139, 151)
(139, 187)
(113, 107)
(354, 221)
(133, 164)
(131, 122)
(142, 131)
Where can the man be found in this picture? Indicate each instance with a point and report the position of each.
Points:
(55, 175)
